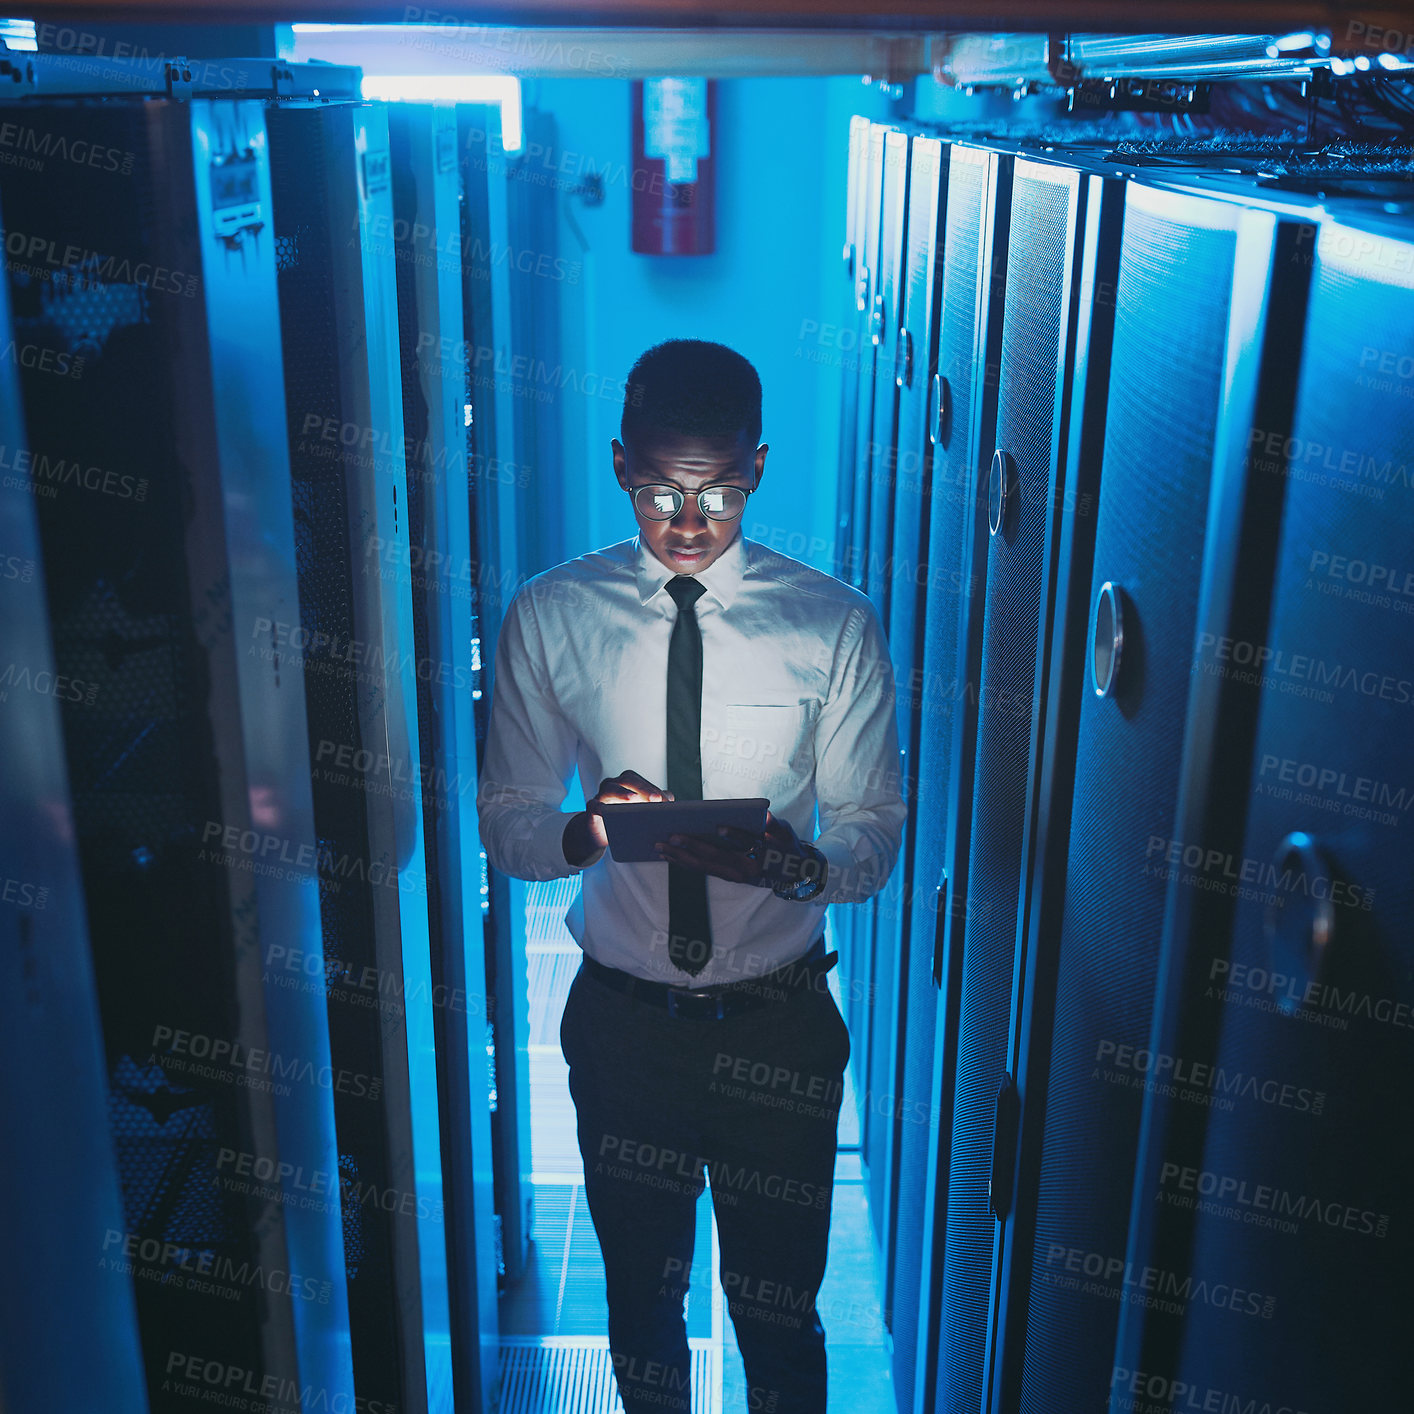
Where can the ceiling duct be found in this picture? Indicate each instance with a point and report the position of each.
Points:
(1033, 61)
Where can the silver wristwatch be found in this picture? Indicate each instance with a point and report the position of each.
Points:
(805, 885)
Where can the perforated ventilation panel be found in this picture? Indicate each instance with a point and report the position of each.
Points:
(1034, 318)
(95, 300)
(1334, 757)
(1165, 392)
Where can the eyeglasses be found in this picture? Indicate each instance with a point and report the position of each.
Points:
(664, 502)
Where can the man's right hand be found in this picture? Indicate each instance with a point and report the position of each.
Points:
(585, 835)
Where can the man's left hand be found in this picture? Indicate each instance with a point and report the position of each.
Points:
(740, 856)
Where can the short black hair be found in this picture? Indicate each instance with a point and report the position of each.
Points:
(694, 389)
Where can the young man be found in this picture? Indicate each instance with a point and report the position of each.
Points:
(700, 1033)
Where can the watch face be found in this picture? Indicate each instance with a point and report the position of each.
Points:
(803, 886)
(799, 890)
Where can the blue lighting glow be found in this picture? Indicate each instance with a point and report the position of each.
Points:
(454, 88)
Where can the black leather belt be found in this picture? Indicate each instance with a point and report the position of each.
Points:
(716, 1003)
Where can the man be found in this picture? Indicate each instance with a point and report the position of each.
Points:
(700, 1032)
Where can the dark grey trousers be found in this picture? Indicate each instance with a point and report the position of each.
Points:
(750, 1103)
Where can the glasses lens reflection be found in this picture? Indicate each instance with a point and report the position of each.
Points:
(664, 502)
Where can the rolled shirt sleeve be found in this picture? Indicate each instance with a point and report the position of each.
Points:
(857, 777)
(529, 758)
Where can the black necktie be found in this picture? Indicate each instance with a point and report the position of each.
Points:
(689, 931)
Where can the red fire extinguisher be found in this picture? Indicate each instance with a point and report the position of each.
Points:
(673, 166)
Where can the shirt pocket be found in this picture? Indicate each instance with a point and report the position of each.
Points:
(768, 738)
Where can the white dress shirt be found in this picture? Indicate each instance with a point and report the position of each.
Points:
(797, 706)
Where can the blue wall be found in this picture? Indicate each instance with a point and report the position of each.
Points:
(773, 290)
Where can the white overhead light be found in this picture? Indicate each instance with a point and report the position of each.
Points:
(454, 88)
(19, 34)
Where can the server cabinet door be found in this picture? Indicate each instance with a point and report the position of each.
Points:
(169, 568)
(884, 313)
(868, 198)
(974, 279)
(1027, 482)
(1055, 356)
(880, 1068)
(854, 308)
(910, 898)
(1185, 265)
(855, 566)
(1290, 964)
(60, 1182)
(427, 194)
(855, 923)
(339, 320)
(496, 538)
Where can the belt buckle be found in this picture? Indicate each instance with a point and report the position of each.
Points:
(674, 993)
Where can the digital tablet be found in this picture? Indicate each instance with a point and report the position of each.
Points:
(635, 827)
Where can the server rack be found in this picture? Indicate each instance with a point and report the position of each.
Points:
(856, 275)
(1031, 481)
(426, 242)
(856, 928)
(1065, 236)
(332, 182)
(497, 536)
(162, 492)
(974, 283)
(60, 1179)
(879, 1068)
(916, 364)
(1286, 949)
(1174, 405)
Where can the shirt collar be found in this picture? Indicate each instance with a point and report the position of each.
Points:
(722, 578)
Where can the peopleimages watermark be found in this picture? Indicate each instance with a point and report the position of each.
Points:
(1264, 1204)
(1204, 1081)
(40, 358)
(1096, 1274)
(1297, 673)
(80, 43)
(660, 1166)
(44, 257)
(1304, 459)
(1380, 37)
(328, 650)
(385, 988)
(278, 857)
(806, 1093)
(227, 1059)
(343, 764)
(1386, 371)
(418, 243)
(1291, 993)
(475, 38)
(16, 567)
(43, 474)
(1139, 1392)
(22, 145)
(1221, 872)
(224, 1385)
(208, 1271)
(46, 684)
(1362, 581)
(280, 1181)
(775, 1087)
(21, 894)
(1327, 788)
